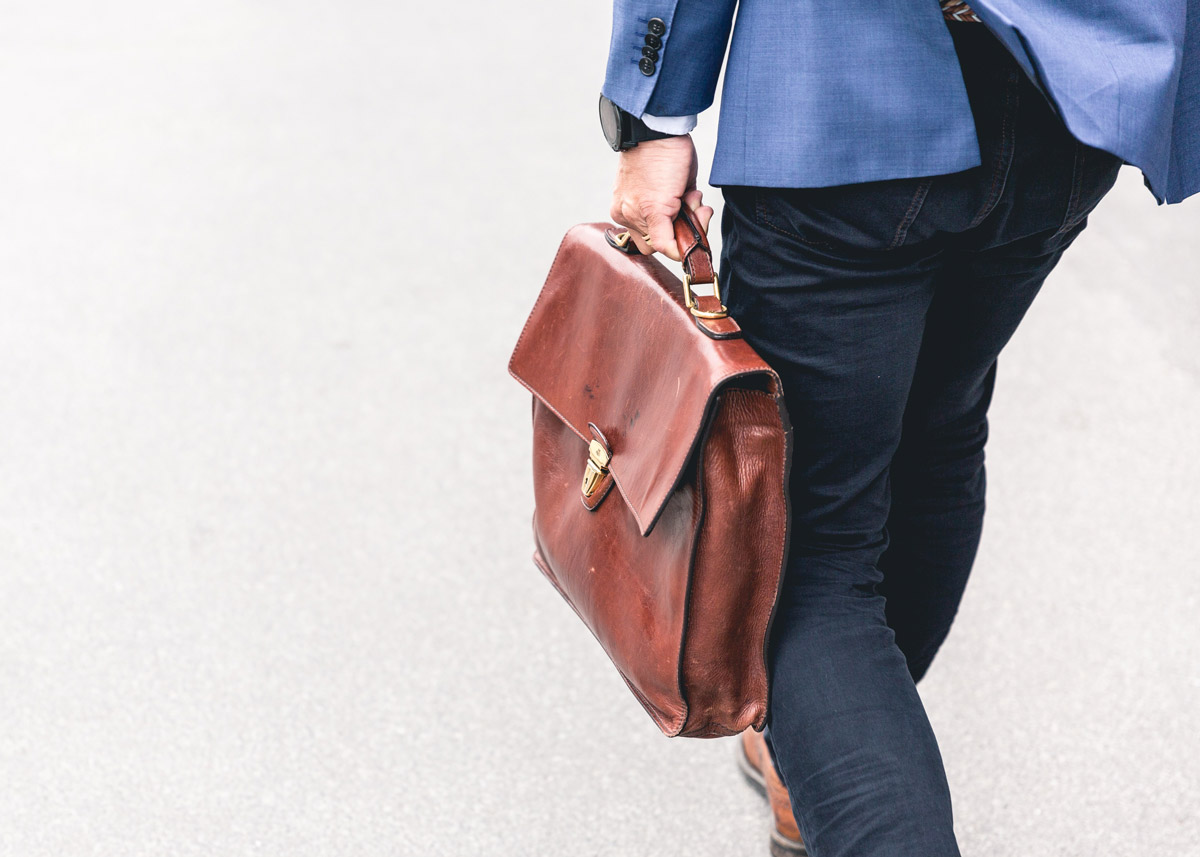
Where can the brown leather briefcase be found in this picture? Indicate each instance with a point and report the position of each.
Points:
(641, 384)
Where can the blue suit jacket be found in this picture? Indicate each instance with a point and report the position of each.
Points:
(825, 92)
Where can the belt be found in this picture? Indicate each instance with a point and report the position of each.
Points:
(957, 10)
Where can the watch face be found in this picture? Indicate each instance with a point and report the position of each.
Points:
(610, 121)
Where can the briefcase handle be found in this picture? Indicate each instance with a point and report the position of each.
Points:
(698, 268)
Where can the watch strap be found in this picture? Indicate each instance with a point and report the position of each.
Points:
(640, 132)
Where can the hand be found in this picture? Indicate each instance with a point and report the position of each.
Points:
(654, 179)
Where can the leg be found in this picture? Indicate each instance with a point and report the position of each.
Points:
(935, 522)
(1044, 184)
(938, 475)
(888, 361)
(842, 319)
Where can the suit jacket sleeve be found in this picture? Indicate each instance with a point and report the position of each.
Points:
(684, 79)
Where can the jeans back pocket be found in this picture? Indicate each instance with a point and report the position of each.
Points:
(873, 215)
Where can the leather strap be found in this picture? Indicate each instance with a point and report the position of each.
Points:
(693, 247)
(698, 266)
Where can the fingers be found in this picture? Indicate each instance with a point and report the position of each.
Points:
(641, 243)
(652, 229)
(662, 235)
(628, 214)
(694, 200)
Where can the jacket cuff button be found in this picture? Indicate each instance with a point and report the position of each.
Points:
(647, 66)
(656, 26)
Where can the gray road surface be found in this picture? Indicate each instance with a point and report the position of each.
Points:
(265, 584)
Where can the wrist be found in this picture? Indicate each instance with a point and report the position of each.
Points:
(624, 131)
(674, 141)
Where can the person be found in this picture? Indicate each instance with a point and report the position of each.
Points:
(898, 181)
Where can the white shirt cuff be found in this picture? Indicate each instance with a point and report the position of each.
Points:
(670, 124)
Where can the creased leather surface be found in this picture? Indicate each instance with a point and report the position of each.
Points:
(738, 564)
(676, 573)
(650, 394)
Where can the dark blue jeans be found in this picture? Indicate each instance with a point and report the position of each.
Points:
(884, 306)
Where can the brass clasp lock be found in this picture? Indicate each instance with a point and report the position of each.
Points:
(596, 468)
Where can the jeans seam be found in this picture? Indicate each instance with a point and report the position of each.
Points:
(1071, 216)
(914, 208)
(1004, 156)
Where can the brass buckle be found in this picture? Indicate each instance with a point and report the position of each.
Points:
(691, 301)
(596, 468)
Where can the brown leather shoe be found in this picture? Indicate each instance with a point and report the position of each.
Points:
(755, 762)
(753, 749)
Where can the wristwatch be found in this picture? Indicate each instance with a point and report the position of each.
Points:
(623, 130)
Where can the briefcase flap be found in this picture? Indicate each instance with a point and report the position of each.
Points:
(610, 341)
